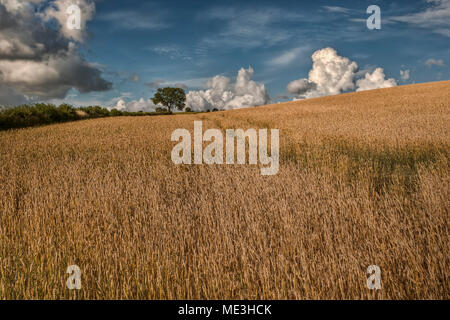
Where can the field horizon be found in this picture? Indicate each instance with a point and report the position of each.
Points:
(363, 180)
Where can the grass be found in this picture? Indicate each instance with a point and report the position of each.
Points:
(364, 179)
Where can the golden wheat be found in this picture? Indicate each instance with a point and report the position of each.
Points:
(364, 179)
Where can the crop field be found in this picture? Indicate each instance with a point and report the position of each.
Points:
(364, 179)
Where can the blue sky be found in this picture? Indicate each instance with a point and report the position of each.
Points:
(140, 45)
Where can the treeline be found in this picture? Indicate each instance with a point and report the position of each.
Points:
(40, 114)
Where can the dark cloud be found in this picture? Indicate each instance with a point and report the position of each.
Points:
(39, 61)
(10, 97)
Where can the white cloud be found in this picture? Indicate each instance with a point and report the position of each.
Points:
(436, 17)
(405, 75)
(336, 9)
(136, 105)
(434, 62)
(375, 80)
(300, 86)
(330, 74)
(287, 57)
(333, 74)
(222, 94)
(58, 11)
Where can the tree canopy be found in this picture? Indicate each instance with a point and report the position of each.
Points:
(170, 98)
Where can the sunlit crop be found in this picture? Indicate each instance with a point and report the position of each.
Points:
(363, 179)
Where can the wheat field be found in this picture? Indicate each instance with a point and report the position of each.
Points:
(364, 180)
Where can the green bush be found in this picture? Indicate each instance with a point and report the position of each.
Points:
(40, 114)
(96, 111)
(25, 115)
(115, 113)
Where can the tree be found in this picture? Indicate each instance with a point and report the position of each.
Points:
(170, 97)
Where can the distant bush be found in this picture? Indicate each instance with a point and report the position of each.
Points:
(26, 115)
(115, 113)
(96, 111)
(41, 114)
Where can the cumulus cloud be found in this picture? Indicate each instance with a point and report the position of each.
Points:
(222, 94)
(405, 75)
(136, 105)
(330, 74)
(39, 61)
(333, 74)
(301, 86)
(375, 80)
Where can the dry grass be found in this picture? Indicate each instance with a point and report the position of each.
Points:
(364, 179)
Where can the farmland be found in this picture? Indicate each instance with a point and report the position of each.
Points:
(364, 179)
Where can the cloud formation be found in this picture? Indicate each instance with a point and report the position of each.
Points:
(222, 94)
(58, 11)
(136, 105)
(375, 80)
(435, 17)
(333, 74)
(287, 57)
(405, 75)
(330, 74)
(39, 61)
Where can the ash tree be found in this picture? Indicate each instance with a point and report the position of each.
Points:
(170, 98)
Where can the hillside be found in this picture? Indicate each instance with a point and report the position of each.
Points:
(364, 180)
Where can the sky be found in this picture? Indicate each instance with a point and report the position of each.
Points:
(225, 54)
